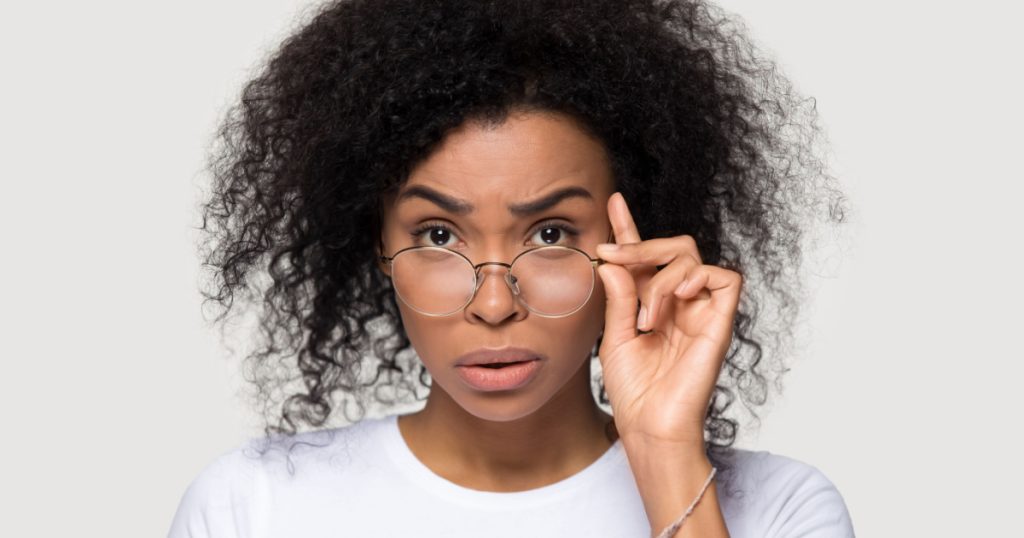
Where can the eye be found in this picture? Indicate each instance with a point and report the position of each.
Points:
(553, 234)
(434, 235)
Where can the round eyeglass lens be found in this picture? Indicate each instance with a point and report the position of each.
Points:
(553, 281)
(434, 281)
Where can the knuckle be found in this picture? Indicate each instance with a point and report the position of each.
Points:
(657, 289)
(689, 245)
(661, 285)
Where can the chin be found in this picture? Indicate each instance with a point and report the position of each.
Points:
(497, 414)
(499, 406)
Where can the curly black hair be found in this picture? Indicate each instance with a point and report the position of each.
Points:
(705, 135)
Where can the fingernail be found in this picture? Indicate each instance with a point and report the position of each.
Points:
(642, 318)
(681, 287)
(608, 247)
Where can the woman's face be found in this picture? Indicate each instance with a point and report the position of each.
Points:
(490, 194)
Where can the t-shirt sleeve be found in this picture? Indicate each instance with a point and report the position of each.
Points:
(804, 502)
(219, 501)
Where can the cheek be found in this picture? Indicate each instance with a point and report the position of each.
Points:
(425, 333)
(575, 335)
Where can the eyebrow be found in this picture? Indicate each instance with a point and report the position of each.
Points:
(462, 207)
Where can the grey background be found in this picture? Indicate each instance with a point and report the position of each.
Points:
(115, 394)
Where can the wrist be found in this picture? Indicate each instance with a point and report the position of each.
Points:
(711, 522)
(653, 462)
(669, 475)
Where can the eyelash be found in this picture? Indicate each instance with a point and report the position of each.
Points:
(422, 229)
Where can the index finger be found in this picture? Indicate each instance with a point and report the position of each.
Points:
(622, 221)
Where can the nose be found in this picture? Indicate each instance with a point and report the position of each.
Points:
(495, 301)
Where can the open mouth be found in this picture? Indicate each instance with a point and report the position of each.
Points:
(499, 365)
(500, 376)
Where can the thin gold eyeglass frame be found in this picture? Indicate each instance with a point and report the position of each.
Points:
(513, 287)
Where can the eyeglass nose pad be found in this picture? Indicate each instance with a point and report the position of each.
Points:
(513, 283)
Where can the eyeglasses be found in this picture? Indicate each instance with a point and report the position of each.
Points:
(552, 281)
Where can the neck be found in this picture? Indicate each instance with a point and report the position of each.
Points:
(564, 436)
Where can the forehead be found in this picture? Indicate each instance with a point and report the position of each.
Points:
(526, 156)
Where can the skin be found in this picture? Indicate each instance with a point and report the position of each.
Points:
(474, 438)
(659, 374)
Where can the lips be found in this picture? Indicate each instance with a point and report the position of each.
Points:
(507, 378)
(492, 370)
(495, 357)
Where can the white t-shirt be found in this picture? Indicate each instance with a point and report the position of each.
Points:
(363, 481)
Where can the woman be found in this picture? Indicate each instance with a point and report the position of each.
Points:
(481, 197)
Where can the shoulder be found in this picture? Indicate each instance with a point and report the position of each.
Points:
(219, 499)
(782, 496)
(231, 493)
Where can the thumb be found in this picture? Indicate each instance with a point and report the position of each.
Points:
(620, 310)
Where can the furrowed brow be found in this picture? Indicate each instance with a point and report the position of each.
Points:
(449, 204)
(461, 207)
(549, 201)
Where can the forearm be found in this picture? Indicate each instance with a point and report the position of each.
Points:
(669, 479)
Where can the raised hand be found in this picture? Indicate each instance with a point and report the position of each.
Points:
(661, 363)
